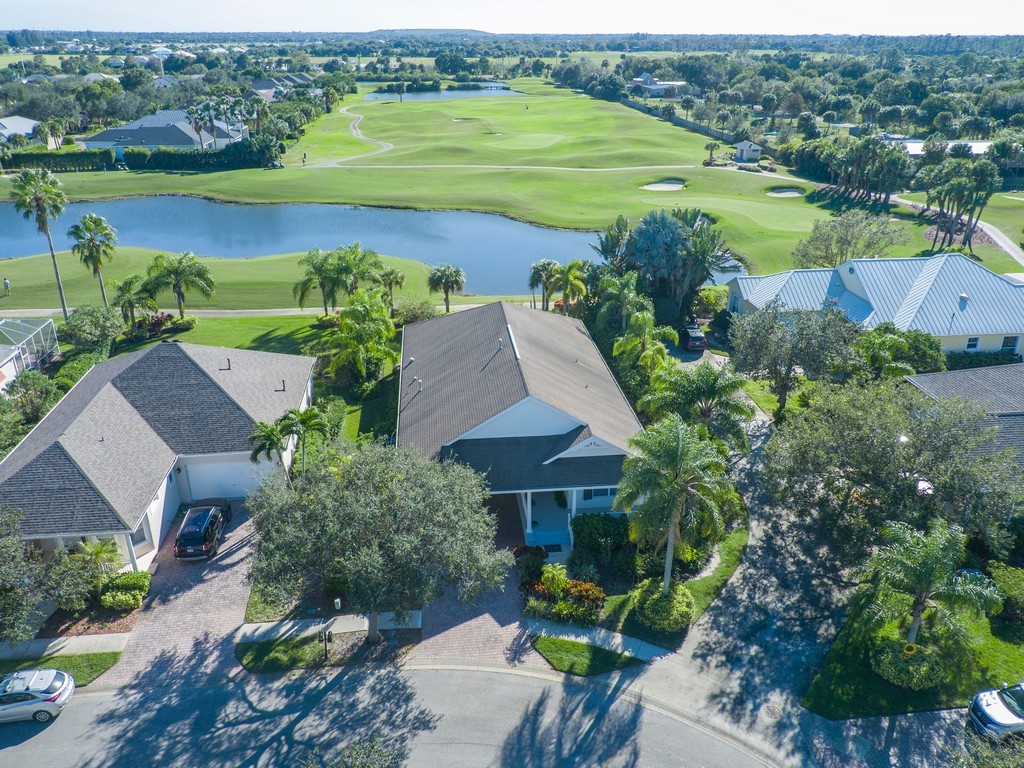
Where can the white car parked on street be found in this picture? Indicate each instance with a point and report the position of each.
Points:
(35, 694)
(999, 713)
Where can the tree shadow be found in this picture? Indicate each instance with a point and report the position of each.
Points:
(284, 342)
(575, 728)
(170, 714)
(834, 202)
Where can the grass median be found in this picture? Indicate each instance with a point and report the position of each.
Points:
(581, 659)
(83, 667)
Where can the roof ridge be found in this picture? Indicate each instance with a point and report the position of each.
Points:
(85, 476)
(517, 358)
(193, 361)
(918, 290)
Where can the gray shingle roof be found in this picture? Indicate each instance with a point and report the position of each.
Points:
(180, 135)
(999, 389)
(468, 377)
(94, 463)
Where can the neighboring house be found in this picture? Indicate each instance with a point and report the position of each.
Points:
(114, 62)
(967, 307)
(25, 344)
(167, 128)
(526, 398)
(652, 86)
(14, 125)
(916, 148)
(97, 77)
(140, 435)
(998, 389)
(747, 152)
(271, 88)
(164, 81)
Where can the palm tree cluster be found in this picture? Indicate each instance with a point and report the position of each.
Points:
(272, 439)
(337, 273)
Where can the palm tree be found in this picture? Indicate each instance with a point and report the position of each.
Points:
(94, 243)
(448, 280)
(41, 133)
(620, 299)
(267, 440)
(706, 395)
(571, 280)
(179, 273)
(645, 339)
(302, 424)
(322, 272)
(712, 147)
(391, 278)
(612, 243)
(129, 298)
(363, 336)
(926, 568)
(541, 273)
(101, 554)
(679, 480)
(356, 263)
(38, 197)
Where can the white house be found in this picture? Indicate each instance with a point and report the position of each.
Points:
(141, 434)
(14, 125)
(25, 344)
(525, 398)
(747, 152)
(967, 307)
(166, 128)
(652, 86)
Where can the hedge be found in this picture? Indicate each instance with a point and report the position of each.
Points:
(69, 160)
(256, 152)
(906, 665)
(956, 361)
(668, 613)
(1010, 581)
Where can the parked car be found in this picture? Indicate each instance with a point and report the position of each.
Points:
(693, 338)
(35, 694)
(998, 713)
(202, 531)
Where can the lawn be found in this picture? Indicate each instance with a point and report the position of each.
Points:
(579, 658)
(83, 667)
(845, 686)
(307, 652)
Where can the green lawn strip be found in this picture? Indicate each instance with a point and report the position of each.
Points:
(845, 686)
(706, 588)
(761, 395)
(581, 659)
(83, 667)
(281, 655)
(619, 616)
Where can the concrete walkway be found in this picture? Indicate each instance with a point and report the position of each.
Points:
(279, 630)
(35, 649)
(601, 638)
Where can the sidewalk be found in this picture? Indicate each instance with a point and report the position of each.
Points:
(280, 630)
(35, 649)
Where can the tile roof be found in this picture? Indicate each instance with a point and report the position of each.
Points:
(468, 367)
(94, 463)
(999, 389)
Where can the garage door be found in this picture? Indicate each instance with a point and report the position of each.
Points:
(230, 479)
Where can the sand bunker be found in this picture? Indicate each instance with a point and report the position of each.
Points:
(785, 192)
(668, 185)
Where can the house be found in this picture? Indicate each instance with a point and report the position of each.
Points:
(270, 88)
(916, 148)
(97, 77)
(167, 128)
(141, 434)
(526, 398)
(13, 125)
(651, 86)
(25, 344)
(967, 307)
(164, 81)
(998, 389)
(747, 152)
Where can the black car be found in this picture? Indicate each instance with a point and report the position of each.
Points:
(694, 339)
(201, 532)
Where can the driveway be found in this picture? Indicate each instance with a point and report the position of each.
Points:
(193, 609)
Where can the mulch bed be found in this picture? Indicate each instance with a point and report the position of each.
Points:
(352, 648)
(94, 621)
(980, 236)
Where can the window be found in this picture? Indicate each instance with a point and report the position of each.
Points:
(600, 492)
(1010, 343)
(588, 494)
(139, 535)
(972, 343)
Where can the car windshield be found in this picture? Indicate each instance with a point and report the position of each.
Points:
(1013, 698)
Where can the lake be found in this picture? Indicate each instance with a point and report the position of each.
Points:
(495, 251)
(487, 90)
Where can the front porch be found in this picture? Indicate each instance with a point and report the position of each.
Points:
(549, 521)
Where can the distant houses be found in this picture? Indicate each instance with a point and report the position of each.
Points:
(15, 125)
(747, 152)
(652, 86)
(271, 88)
(167, 128)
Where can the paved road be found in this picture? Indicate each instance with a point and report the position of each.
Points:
(454, 719)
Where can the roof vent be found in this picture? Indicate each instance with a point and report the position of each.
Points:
(964, 297)
(420, 388)
(501, 344)
(412, 360)
(851, 270)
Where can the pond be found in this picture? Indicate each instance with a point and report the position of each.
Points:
(495, 251)
(487, 89)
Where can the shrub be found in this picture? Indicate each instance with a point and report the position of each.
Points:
(329, 321)
(123, 602)
(534, 589)
(158, 321)
(585, 593)
(68, 141)
(574, 613)
(529, 567)
(73, 160)
(136, 157)
(626, 565)
(537, 608)
(186, 323)
(554, 578)
(586, 572)
(1011, 585)
(905, 665)
(409, 311)
(956, 361)
(93, 328)
(668, 613)
(598, 536)
(75, 367)
(137, 333)
(130, 581)
(721, 323)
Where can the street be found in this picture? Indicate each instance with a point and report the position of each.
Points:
(441, 718)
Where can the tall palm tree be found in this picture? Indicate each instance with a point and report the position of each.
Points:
(322, 272)
(362, 338)
(645, 339)
(38, 197)
(612, 243)
(620, 299)
(926, 568)
(571, 280)
(712, 147)
(302, 424)
(391, 278)
(681, 481)
(94, 243)
(446, 279)
(129, 298)
(541, 274)
(707, 395)
(356, 264)
(179, 273)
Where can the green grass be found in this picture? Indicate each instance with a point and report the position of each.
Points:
(579, 658)
(706, 588)
(845, 686)
(83, 667)
(281, 655)
(761, 395)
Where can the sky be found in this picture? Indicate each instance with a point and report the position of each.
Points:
(893, 17)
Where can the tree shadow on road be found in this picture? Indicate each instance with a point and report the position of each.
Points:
(170, 715)
(579, 727)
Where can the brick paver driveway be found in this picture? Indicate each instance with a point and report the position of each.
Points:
(193, 609)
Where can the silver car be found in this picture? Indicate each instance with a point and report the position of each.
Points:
(35, 694)
(998, 713)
